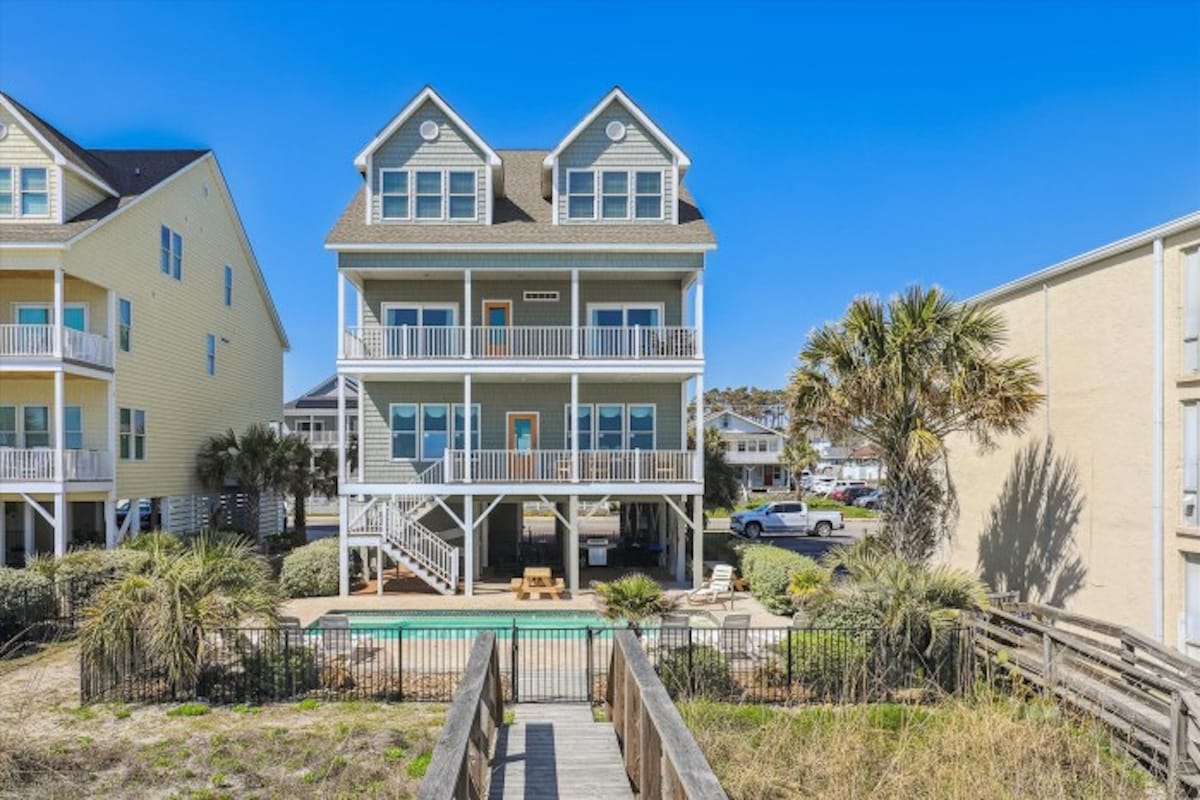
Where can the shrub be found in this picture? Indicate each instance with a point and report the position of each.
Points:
(768, 570)
(189, 710)
(633, 597)
(275, 672)
(311, 570)
(24, 595)
(829, 663)
(697, 671)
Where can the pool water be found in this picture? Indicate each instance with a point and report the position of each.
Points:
(453, 625)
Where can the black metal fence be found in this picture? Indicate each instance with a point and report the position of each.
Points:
(44, 613)
(761, 665)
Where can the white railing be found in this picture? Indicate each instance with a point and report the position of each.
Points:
(396, 521)
(556, 466)
(320, 438)
(39, 464)
(38, 340)
(406, 343)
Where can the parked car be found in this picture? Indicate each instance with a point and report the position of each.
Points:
(143, 513)
(838, 492)
(823, 485)
(785, 519)
(848, 495)
(873, 499)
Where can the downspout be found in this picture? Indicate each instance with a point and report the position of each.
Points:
(1156, 492)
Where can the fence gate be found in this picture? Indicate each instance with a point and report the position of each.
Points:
(560, 665)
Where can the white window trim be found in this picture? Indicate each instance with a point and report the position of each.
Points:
(119, 324)
(441, 196)
(624, 426)
(133, 412)
(662, 195)
(476, 431)
(227, 286)
(384, 308)
(171, 236)
(85, 306)
(16, 431)
(629, 426)
(49, 432)
(600, 195)
(67, 431)
(210, 355)
(595, 195)
(14, 212)
(17, 193)
(421, 425)
(568, 423)
(408, 183)
(416, 433)
(624, 308)
(474, 195)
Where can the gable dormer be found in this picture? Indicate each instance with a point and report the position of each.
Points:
(427, 166)
(44, 176)
(615, 167)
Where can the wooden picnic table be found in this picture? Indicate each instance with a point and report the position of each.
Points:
(539, 581)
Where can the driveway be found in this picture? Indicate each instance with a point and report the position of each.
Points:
(811, 546)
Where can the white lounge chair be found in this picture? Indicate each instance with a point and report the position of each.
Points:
(720, 583)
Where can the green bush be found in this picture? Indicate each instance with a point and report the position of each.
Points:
(829, 663)
(768, 570)
(311, 570)
(24, 595)
(274, 672)
(633, 597)
(697, 671)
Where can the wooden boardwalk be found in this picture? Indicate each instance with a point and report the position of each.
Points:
(558, 751)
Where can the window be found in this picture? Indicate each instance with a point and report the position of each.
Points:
(210, 354)
(585, 426)
(625, 315)
(1190, 452)
(610, 427)
(460, 427)
(434, 430)
(641, 427)
(648, 195)
(124, 324)
(171, 256)
(6, 191)
(540, 297)
(73, 427)
(74, 315)
(393, 193)
(462, 195)
(429, 195)
(36, 424)
(581, 194)
(35, 195)
(614, 195)
(1191, 311)
(8, 426)
(132, 439)
(404, 430)
(228, 285)
(416, 341)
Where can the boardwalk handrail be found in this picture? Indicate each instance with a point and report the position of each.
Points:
(661, 757)
(1123, 679)
(461, 763)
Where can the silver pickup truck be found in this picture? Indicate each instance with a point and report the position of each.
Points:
(785, 519)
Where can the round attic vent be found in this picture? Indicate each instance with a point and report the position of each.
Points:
(615, 130)
(429, 130)
(3, 130)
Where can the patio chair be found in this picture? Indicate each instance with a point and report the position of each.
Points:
(735, 636)
(674, 631)
(720, 583)
(335, 634)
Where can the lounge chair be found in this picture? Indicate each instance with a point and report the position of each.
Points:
(720, 583)
(674, 631)
(735, 636)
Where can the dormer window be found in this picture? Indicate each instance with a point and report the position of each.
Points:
(462, 195)
(621, 191)
(614, 202)
(393, 193)
(429, 195)
(581, 194)
(35, 197)
(648, 195)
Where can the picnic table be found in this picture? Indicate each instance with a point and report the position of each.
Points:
(538, 581)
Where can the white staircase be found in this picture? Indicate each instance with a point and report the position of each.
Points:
(396, 521)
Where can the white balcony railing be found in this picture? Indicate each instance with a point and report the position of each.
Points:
(556, 466)
(414, 342)
(24, 341)
(321, 438)
(39, 464)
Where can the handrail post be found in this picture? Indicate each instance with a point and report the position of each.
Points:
(1047, 662)
(1176, 743)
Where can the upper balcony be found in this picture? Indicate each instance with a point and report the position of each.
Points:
(41, 464)
(27, 344)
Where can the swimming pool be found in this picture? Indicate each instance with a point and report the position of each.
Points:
(466, 624)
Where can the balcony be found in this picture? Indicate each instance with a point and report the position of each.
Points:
(38, 341)
(35, 464)
(557, 466)
(321, 439)
(431, 343)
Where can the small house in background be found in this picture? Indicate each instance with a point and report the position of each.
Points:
(862, 464)
(313, 415)
(755, 448)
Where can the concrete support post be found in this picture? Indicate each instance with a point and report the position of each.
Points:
(698, 432)
(573, 544)
(3, 534)
(469, 545)
(30, 543)
(665, 515)
(379, 570)
(60, 525)
(697, 541)
(467, 449)
(343, 546)
(110, 521)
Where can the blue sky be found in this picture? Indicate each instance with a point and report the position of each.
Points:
(838, 148)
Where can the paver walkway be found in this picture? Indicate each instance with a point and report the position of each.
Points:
(558, 751)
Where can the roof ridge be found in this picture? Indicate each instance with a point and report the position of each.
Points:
(82, 156)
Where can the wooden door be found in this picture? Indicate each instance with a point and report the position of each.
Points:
(522, 444)
(497, 319)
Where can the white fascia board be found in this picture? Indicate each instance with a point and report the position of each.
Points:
(619, 96)
(31, 246)
(1092, 256)
(59, 158)
(502, 247)
(360, 161)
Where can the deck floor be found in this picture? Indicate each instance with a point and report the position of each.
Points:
(558, 751)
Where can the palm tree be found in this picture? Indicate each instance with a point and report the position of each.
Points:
(799, 454)
(306, 475)
(253, 461)
(905, 376)
(169, 609)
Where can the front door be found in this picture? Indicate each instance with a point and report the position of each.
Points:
(522, 444)
(497, 317)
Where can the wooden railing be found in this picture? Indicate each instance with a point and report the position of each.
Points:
(416, 342)
(460, 768)
(558, 466)
(1126, 680)
(661, 757)
(39, 340)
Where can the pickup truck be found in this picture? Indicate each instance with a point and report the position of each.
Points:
(785, 519)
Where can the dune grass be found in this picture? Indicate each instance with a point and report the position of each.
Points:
(992, 748)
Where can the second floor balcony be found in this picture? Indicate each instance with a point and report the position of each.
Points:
(40, 464)
(556, 342)
(22, 341)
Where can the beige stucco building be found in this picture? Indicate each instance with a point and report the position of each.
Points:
(134, 323)
(1104, 520)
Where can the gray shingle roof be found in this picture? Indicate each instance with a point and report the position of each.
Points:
(520, 216)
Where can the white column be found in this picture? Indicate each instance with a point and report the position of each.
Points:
(341, 315)
(698, 314)
(698, 431)
(343, 547)
(679, 556)
(111, 328)
(111, 438)
(664, 516)
(110, 520)
(574, 313)
(574, 423)
(467, 428)
(469, 544)
(60, 433)
(58, 310)
(341, 427)
(698, 541)
(467, 313)
(379, 570)
(573, 544)
(358, 428)
(60, 525)
(485, 542)
(29, 542)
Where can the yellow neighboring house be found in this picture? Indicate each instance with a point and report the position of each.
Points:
(134, 323)
(1104, 519)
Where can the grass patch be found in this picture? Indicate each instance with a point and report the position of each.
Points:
(187, 710)
(418, 766)
(992, 748)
